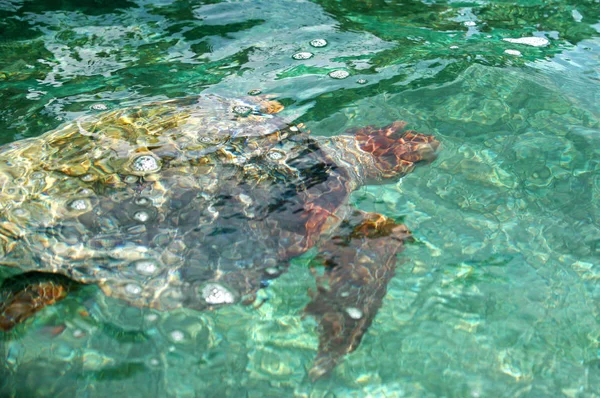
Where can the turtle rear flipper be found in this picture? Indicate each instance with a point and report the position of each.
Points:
(360, 264)
(23, 295)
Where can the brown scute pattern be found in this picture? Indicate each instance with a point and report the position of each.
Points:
(395, 153)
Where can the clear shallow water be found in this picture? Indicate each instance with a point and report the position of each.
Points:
(499, 295)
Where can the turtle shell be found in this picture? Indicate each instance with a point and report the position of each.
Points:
(179, 203)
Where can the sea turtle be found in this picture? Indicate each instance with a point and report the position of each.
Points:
(199, 202)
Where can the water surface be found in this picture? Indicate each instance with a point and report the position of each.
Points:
(499, 295)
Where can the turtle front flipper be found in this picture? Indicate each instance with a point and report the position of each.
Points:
(23, 295)
(360, 262)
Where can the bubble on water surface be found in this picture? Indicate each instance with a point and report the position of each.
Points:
(133, 289)
(78, 204)
(275, 155)
(318, 43)
(362, 81)
(339, 74)
(242, 110)
(513, 52)
(145, 164)
(214, 293)
(141, 216)
(151, 317)
(146, 267)
(98, 107)
(529, 41)
(470, 23)
(302, 55)
(254, 92)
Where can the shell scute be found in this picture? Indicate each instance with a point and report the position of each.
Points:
(155, 203)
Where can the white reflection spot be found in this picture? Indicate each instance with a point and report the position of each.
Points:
(141, 216)
(354, 313)
(513, 52)
(78, 204)
(133, 289)
(177, 336)
(529, 41)
(216, 294)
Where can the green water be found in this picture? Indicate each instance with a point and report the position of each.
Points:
(499, 295)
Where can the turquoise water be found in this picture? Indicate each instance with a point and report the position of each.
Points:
(499, 294)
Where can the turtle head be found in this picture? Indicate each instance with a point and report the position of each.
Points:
(372, 153)
(395, 152)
